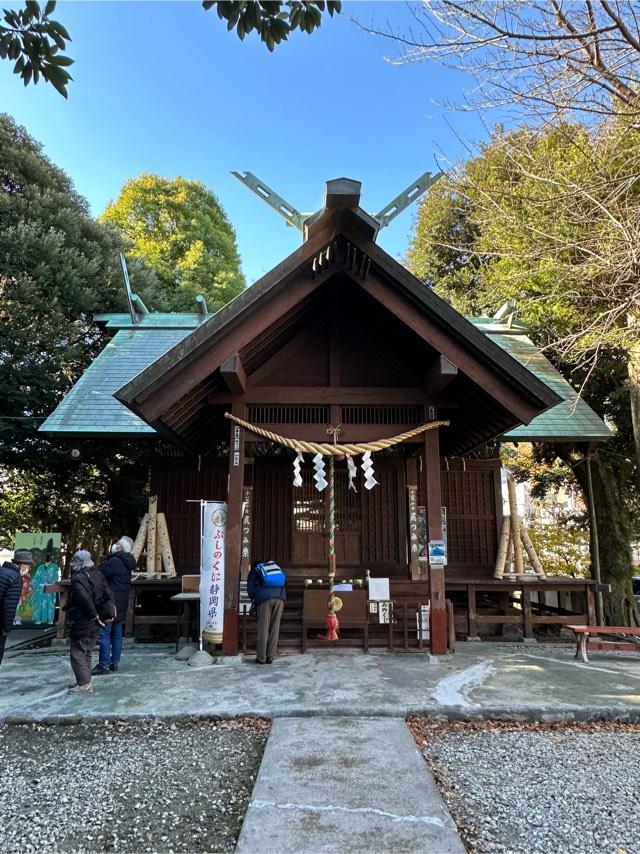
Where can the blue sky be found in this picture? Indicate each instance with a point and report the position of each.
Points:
(162, 87)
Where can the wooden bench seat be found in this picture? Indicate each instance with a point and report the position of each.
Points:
(582, 635)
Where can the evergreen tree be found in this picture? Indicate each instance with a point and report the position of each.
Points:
(57, 267)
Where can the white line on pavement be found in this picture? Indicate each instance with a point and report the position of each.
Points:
(579, 664)
(449, 691)
(425, 819)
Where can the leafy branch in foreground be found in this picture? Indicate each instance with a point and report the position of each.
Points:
(33, 40)
(272, 20)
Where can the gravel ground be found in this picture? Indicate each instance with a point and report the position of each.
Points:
(141, 787)
(538, 788)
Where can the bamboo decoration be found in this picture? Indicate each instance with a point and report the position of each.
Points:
(514, 541)
(165, 546)
(141, 537)
(518, 557)
(151, 535)
(510, 572)
(154, 533)
(503, 548)
(531, 552)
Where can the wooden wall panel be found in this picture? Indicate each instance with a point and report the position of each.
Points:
(381, 519)
(469, 497)
(272, 513)
(174, 486)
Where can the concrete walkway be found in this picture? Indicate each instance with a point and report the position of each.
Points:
(479, 681)
(345, 784)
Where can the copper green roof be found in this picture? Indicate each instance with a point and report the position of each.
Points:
(571, 420)
(90, 407)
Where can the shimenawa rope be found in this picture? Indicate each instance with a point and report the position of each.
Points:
(330, 450)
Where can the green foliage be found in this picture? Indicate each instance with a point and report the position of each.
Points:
(29, 37)
(180, 230)
(529, 219)
(272, 21)
(549, 218)
(563, 547)
(57, 267)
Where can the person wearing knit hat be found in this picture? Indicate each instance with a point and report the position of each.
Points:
(11, 579)
(91, 607)
(117, 570)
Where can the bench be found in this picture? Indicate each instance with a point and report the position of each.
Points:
(582, 636)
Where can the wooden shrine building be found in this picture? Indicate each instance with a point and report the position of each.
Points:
(339, 334)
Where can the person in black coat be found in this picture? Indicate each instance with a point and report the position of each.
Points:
(91, 607)
(11, 573)
(117, 571)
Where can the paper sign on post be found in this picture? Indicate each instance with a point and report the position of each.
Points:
(437, 553)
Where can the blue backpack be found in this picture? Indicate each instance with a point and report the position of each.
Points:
(271, 575)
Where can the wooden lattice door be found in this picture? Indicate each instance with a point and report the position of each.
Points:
(310, 539)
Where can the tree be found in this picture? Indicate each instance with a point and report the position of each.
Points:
(507, 225)
(33, 40)
(548, 58)
(29, 37)
(180, 230)
(57, 267)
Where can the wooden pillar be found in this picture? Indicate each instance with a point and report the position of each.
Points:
(233, 546)
(472, 615)
(591, 606)
(434, 521)
(527, 615)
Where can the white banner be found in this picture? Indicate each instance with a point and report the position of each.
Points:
(213, 532)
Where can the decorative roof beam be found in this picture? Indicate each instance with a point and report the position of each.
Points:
(406, 198)
(139, 306)
(233, 374)
(439, 375)
(201, 305)
(291, 215)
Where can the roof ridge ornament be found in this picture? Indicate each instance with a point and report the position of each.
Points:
(407, 197)
(347, 188)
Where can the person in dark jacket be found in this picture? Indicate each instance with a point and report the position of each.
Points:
(11, 573)
(117, 570)
(91, 607)
(269, 604)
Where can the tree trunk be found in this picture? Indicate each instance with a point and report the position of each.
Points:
(614, 535)
(633, 324)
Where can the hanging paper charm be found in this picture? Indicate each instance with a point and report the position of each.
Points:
(367, 468)
(319, 476)
(297, 476)
(351, 466)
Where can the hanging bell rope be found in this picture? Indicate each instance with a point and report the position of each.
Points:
(330, 450)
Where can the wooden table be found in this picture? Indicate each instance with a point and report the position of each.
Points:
(139, 586)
